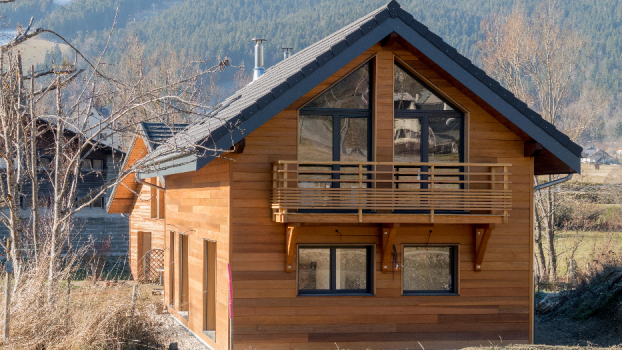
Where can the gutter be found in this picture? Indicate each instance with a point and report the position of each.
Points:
(553, 183)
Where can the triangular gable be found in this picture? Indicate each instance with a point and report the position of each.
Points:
(287, 81)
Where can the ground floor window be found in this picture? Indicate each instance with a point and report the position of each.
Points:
(335, 270)
(430, 270)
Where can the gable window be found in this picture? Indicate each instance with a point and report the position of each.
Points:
(335, 270)
(426, 129)
(419, 109)
(336, 127)
(430, 270)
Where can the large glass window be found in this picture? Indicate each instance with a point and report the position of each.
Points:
(426, 129)
(430, 270)
(335, 270)
(336, 127)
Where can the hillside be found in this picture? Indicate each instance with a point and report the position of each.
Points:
(208, 28)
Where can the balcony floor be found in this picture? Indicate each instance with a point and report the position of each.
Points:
(391, 218)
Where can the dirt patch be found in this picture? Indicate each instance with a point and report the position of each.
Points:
(564, 331)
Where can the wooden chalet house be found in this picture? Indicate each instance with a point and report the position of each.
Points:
(384, 197)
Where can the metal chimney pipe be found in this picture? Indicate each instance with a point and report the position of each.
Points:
(259, 68)
(287, 52)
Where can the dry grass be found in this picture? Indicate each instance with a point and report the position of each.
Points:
(607, 174)
(86, 315)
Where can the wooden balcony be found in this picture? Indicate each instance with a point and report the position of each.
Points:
(374, 192)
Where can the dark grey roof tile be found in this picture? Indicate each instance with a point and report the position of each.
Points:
(368, 26)
(354, 36)
(339, 47)
(419, 27)
(394, 8)
(265, 100)
(405, 16)
(310, 68)
(382, 16)
(449, 50)
(492, 84)
(575, 149)
(463, 61)
(295, 79)
(434, 39)
(324, 58)
(280, 89)
(250, 111)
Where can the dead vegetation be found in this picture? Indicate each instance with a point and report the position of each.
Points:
(80, 315)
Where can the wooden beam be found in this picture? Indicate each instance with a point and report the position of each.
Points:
(532, 149)
(291, 233)
(389, 231)
(482, 236)
(389, 40)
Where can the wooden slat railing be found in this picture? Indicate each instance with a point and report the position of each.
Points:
(372, 187)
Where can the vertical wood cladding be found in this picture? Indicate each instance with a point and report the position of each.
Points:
(197, 205)
(492, 303)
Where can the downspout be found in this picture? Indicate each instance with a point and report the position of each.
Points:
(553, 183)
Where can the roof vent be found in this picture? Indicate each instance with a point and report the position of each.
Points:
(287, 52)
(259, 68)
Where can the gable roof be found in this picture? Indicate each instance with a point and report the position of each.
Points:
(156, 134)
(285, 82)
(148, 137)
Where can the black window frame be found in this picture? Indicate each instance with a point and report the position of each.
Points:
(454, 263)
(333, 291)
(337, 114)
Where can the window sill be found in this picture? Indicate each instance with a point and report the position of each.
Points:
(337, 295)
(210, 334)
(430, 294)
(183, 314)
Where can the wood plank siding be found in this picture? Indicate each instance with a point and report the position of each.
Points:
(141, 224)
(493, 303)
(197, 206)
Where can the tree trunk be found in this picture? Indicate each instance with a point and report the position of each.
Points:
(541, 257)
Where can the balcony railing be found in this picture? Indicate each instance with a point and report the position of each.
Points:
(398, 192)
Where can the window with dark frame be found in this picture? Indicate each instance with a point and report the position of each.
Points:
(426, 129)
(336, 126)
(335, 270)
(430, 270)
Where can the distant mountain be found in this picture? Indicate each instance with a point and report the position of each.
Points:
(208, 28)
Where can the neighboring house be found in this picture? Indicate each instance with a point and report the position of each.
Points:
(383, 199)
(92, 224)
(596, 156)
(144, 204)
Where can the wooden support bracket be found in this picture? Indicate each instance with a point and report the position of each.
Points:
(482, 235)
(291, 233)
(388, 239)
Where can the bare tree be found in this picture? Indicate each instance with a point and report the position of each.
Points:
(58, 111)
(535, 58)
